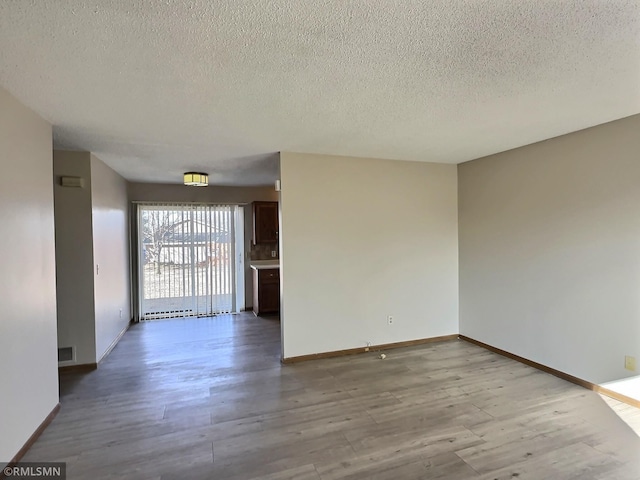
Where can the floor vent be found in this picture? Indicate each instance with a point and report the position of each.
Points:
(65, 354)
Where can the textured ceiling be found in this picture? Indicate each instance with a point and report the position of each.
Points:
(155, 88)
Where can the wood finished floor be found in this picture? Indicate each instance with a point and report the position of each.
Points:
(209, 399)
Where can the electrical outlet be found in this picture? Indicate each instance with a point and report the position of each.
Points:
(273, 253)
(390, 319)
(630, 363)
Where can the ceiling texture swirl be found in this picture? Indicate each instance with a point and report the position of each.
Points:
(156, 88)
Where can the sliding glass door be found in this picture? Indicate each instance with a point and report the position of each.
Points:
(187, 259)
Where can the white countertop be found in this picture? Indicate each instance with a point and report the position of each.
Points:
(264, 264)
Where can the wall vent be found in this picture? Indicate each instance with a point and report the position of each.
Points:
(65, 354)
(73, 182)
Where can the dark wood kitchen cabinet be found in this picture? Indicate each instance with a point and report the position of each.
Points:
(266, 290)
(265, 222)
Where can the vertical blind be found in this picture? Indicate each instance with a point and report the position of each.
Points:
(186, 260)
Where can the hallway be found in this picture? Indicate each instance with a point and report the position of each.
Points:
(208, 399)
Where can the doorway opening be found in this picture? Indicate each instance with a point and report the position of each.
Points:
(189, 260)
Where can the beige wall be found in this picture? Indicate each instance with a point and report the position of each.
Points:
(153, 192)
(28, 358)
(92, 253)
(156, 192)
(362, 239)
(550, 250)
(74, 257)
(110, 210)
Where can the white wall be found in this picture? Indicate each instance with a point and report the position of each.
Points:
(550, 250)
(28, 355)
(361, 239)
(74, 257)
(109, 206)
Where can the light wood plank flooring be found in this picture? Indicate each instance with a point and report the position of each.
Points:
(209, 399)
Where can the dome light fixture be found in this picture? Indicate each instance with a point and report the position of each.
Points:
(196, 179)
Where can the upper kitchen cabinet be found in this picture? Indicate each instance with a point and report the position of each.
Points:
(265, 222)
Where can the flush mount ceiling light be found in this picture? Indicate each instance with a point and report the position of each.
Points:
(196, 179)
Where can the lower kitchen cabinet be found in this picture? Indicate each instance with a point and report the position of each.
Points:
(266, 290)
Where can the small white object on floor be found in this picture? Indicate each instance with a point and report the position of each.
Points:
(382, 356)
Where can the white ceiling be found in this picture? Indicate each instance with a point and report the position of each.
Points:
(155, 88)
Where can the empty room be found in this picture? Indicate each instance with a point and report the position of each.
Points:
(320, 240)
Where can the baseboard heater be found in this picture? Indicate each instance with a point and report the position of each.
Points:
(169, 314)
